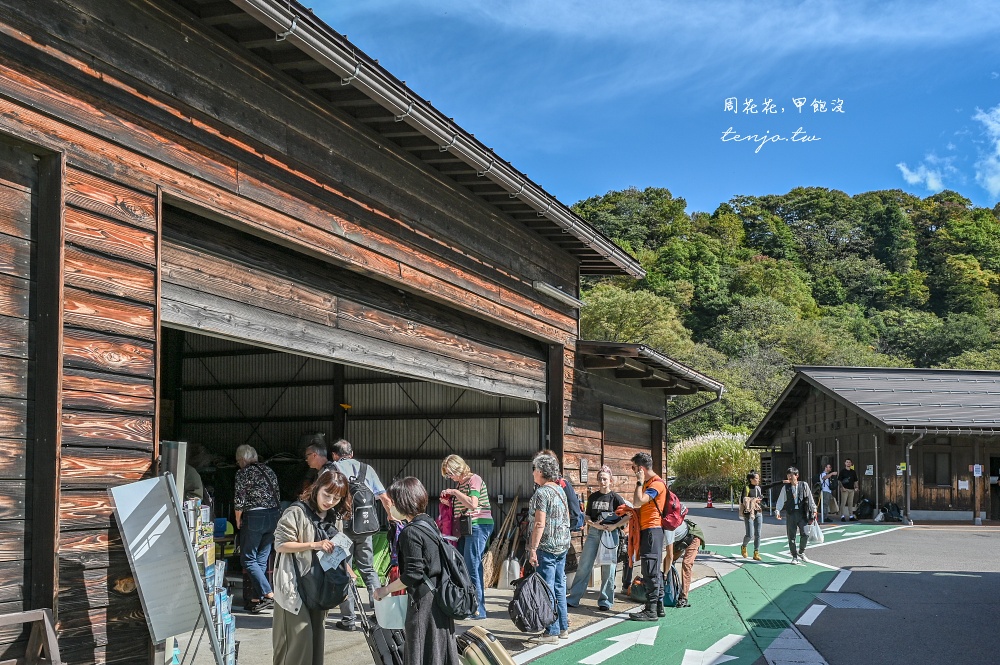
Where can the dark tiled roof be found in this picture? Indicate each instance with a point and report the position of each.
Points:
(896, 400)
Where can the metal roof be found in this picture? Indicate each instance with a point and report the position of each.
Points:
(648, 367)
(295, 41)
(896, 400)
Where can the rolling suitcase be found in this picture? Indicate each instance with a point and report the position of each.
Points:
(478, 646)
(386, 645)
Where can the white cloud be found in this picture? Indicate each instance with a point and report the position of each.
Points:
(649, 43)
(930, 179)
(777, 25)
(988, 167)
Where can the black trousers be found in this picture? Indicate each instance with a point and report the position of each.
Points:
(795, 520)
(651, 562)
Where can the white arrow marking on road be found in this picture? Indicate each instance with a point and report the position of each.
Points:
(646, 636)
(714, 654)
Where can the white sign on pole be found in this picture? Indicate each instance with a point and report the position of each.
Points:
(870, 471)
(977, 471)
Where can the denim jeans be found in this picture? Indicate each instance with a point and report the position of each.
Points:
(552, 568)
(753, 527)
(587, 558)
(473, 549)
(256, 539)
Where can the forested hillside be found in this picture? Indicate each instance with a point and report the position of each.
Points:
(812, 277)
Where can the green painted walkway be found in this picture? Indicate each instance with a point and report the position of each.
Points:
(742, 613)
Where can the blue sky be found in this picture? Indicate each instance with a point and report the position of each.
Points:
(586, 96)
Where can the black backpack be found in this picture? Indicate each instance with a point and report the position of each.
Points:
(364, 518)
(531, 607)
(892, 512)
(456, 595)
(321, 589)
(865, 510)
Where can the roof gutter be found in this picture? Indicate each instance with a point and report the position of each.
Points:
(683, 370)
(377, 84)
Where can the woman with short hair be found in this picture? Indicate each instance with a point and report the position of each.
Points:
(429, 632)
(548, 540)
(297, 632)
(256, 506)
(753, 517)
(470, 501)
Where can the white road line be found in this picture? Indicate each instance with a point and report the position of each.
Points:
(586, 631)
(839, 581)
(810, 615)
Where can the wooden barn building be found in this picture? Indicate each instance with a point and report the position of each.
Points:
(220, 222)
(929, 426)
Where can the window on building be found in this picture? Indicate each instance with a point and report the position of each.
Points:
(937, 468)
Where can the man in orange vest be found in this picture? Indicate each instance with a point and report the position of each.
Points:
(650, 499)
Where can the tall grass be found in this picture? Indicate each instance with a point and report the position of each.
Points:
(714, 461)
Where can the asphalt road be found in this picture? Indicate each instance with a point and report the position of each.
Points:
(941, 588)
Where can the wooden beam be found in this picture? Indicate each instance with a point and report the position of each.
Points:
(633, 373)
(556, 393)
(45, 448)
(659, 382)
(339, 397)
(592, 362)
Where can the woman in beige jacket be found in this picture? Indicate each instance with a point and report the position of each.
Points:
(297, 633)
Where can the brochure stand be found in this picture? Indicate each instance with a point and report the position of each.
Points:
(176, 597)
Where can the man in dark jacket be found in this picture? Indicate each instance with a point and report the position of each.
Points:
(848, 490)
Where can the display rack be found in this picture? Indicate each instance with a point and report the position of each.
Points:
(172, 555)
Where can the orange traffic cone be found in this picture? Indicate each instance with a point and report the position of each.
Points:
(709, 504)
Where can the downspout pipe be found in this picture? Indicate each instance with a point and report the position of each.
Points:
(908, 477)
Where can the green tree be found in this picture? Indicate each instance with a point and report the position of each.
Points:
(635, 317)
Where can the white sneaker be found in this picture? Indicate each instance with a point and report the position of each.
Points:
(795, 561)
(804, 558)
(545, 638)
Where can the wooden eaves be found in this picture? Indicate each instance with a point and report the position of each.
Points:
(293, 39)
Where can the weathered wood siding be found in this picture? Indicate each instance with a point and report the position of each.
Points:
(246, 142)
(224, 282)
(604, 437)
(18, 215)
(109, 407)
(142, 102)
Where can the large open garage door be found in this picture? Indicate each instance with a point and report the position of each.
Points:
(265, 345)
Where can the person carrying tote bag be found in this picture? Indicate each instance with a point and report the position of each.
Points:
(603, 532)
(430, 631)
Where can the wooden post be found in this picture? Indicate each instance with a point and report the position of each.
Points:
(45, 449)
(339, 398)
(556, 394)
(976, 484)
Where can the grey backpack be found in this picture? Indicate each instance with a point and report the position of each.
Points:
(531, 607)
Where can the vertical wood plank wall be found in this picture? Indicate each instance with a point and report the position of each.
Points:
(18, 225)
(108, 410)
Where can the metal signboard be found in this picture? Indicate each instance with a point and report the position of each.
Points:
(152, 526)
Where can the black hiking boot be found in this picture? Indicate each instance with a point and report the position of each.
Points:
(647, 614)
(659, 609)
